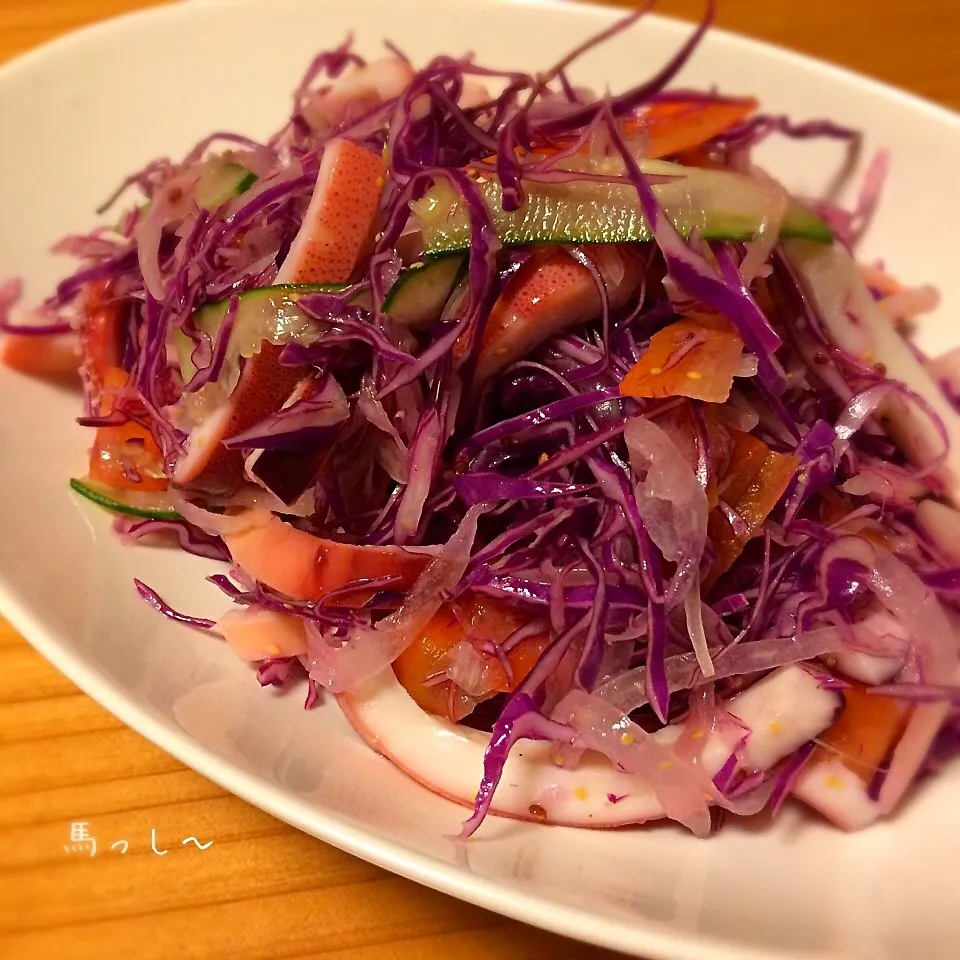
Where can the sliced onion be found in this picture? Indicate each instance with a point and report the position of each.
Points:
(693, 609)
(776, 203)
(255, 497)
(739, 413)
(468, 669)
(168, 206)
(917, 609)
(424, 456)
(358, 90)
(218, 523)
(682, 789)
(628, 691)
(887, 484)
(392, 451)
(368, 650)
(670, 500)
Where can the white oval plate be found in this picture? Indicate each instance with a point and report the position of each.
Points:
(82, 112)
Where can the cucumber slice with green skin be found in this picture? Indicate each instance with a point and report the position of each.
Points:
(220, 182)
(272, 313)
(149, 506)
(266, 313)
(719, 204)
(418, 297)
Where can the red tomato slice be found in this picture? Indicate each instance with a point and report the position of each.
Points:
(475, 620)
(125, 457)
(57, 357)
(101, 335)
(51, 357)
(687, 359)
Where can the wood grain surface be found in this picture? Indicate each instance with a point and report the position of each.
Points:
(263, 890)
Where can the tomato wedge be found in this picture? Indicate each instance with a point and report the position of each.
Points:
(687, 359)
(56, 356)
(756, 479)
(474, 620)
(50, 356)
(101, 336)
(125, 457)
(864, 734)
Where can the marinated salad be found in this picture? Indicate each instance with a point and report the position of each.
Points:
(583, 464)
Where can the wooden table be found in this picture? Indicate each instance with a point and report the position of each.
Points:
(263, 890)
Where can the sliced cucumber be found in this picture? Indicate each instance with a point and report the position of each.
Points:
(273, 314)
(221, 181)
(720, 204)
(266, 313)
(418, 297)
(150, 506)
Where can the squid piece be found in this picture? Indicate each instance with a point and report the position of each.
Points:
(306, 567)
(335, 232)
(834, 284)
(784, 710)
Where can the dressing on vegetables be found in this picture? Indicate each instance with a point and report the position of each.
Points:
(578, 459)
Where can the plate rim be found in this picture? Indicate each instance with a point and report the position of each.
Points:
(604, 9)
(660, 939)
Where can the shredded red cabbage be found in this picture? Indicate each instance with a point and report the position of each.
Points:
(402, 453)
(154, 599)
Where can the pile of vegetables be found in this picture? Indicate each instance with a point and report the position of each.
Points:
(582, 462)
